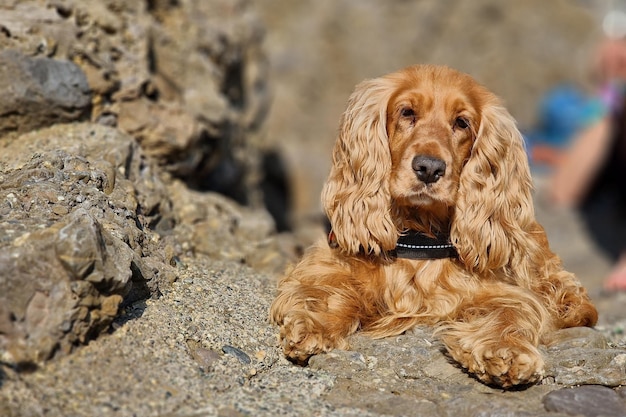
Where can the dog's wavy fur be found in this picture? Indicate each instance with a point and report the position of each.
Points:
(493, 303)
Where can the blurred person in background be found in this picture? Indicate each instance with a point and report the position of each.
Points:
(591, 174)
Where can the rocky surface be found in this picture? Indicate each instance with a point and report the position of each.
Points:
(205, 348)
(87, 224)
(107, 107)
(186, 79)
(126, 289)
(75, 237)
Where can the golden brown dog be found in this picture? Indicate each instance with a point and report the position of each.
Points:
(429, 158)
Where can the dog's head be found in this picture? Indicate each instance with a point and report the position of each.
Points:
(429, 148)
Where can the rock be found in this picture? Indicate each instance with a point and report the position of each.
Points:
(342, 363)
(166, 132)
(588, 401)
(74, 243)
(581, 356)
(61, 286)
(237, 353)
(80, 207)
(213, 225)
(210, 65)
(190, 88)
(38, 92)
(204, 357)
(575, 337)
(82, 165)
(579, 366)
(33, 29)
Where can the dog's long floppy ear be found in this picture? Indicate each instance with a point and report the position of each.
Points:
(494, 210)
(356, 195)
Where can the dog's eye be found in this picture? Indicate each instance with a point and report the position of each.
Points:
(407, 112)
(461, 122)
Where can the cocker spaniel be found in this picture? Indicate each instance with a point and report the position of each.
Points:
(429, 200)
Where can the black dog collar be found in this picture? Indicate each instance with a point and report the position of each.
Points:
(416, 245)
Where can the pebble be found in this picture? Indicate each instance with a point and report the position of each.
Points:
(60, 210)
(204, 357)
(589, 401)
(237, 353)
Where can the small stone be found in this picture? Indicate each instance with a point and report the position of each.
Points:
(59, 209)
(589, 401)
(238, 353)
(229, 412)
(204, 357)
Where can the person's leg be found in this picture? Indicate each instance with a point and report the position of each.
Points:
(617, 279)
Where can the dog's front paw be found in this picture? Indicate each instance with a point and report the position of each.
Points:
(504, 365)
(301, 337)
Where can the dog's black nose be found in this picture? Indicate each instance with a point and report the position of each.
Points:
(428, 169)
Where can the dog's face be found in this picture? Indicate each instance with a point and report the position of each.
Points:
(432, 121)
(428, 148)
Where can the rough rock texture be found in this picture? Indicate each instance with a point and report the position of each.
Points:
(212, 225)
(38, 92)
(87, 224)
(186, 79)
(90, 217)
(76, 204)
(205, 348)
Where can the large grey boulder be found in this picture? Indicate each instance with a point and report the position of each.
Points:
(40, 91)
